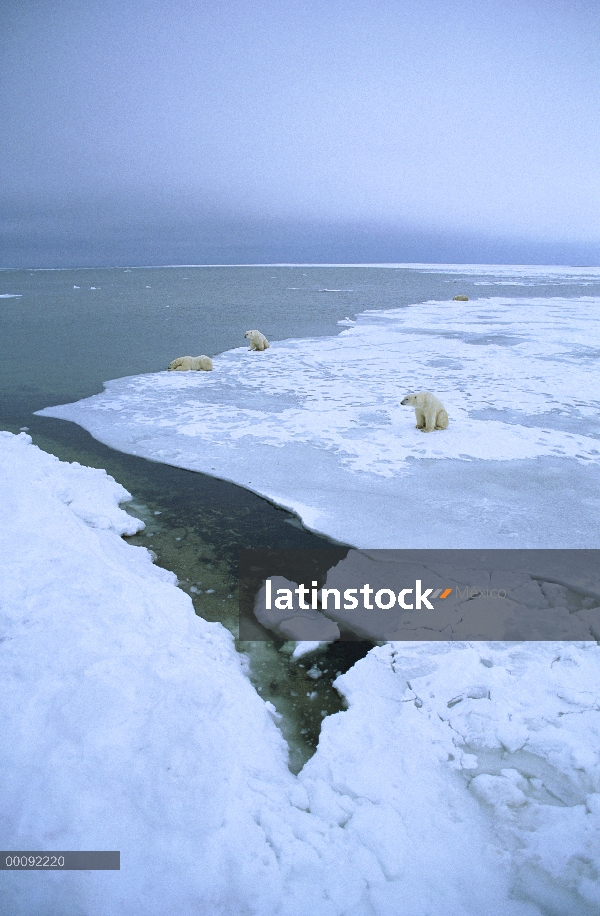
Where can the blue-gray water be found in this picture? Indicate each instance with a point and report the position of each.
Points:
(70, 330)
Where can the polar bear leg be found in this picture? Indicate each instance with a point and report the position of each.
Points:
(420, 416)
(441, 421)
(429, 422)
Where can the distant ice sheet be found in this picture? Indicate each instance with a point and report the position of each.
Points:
(530, 274)
(316, 424)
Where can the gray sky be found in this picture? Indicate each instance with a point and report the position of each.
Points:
(229, 130)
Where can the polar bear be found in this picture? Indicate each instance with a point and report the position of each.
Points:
(184, 363)
(430, 413)
(257, 340)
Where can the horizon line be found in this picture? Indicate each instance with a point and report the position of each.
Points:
(411, 265)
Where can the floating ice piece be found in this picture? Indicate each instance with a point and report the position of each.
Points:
(307, 646)
(319, 428)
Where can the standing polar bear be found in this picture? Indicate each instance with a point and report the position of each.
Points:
(257, 340)
(430, 413)
(184, 363)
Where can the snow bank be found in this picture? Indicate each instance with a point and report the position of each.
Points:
(317, 426)
(122, 711)
(518, 725)
(462, 781)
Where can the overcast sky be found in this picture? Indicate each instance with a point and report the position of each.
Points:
(257, 130)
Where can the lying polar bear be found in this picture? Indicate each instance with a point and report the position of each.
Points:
(257, 340)
(430, 413)
(183, 363)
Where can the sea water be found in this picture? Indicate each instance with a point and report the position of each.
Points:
(65, 332)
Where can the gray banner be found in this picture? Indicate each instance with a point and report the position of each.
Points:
(60, 861)
(382, 595)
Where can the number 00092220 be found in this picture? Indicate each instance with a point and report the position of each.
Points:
(35, 861)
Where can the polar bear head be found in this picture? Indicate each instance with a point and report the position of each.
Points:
(411, 400)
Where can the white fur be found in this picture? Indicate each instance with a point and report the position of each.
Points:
(257, 340)
(184, 363)
(429, 412)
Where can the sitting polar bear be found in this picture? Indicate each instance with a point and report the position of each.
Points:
(183, 363)
(257, 340)
(430, 413)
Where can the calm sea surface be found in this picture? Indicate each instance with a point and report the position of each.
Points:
(65, 332)
(71, 330)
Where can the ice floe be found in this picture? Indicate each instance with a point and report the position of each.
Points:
(316, 424)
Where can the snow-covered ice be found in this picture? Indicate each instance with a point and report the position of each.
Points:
(463, 780)
(316, 424)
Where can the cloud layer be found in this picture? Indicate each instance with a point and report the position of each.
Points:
(428, 117)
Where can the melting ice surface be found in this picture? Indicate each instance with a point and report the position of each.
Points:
(316, 424)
